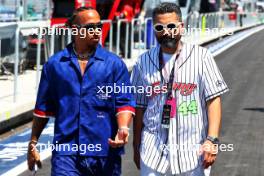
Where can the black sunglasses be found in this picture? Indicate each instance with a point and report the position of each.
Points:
(92, 26)
(160, 27)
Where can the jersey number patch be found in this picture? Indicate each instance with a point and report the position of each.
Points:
(185, 108)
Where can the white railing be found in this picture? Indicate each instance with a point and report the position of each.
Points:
(131, 38)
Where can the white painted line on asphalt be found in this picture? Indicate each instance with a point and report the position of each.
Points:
(14, 152)
(19, 169)
(237, 40)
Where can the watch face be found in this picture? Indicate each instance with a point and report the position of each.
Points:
(213, 140)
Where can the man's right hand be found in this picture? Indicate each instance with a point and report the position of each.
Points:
(33, 157)
(137, 157)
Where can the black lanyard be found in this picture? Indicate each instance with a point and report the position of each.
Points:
(171, 78)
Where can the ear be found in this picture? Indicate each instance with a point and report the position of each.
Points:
(181, 28)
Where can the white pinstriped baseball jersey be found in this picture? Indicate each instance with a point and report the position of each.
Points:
(196, 80)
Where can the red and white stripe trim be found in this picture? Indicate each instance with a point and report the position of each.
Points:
(43, 114)
(125, 109)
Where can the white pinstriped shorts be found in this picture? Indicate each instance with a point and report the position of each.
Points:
(147, 171)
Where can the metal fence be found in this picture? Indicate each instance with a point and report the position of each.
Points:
(128, 38)
(11, 67)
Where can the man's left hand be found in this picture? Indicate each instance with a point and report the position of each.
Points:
(120, 140)
(209, 150)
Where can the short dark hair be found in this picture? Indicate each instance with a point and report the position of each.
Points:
(71, 19)
(167, 7)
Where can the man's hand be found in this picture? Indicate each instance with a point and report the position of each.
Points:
(209, 150)
(33, 157)
(120, 140)
(136, 155)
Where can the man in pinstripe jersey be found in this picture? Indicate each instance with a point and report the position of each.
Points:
(185, 143)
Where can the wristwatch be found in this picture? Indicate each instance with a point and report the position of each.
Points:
(214, 140)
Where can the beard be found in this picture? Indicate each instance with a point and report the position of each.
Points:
(168, 41)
